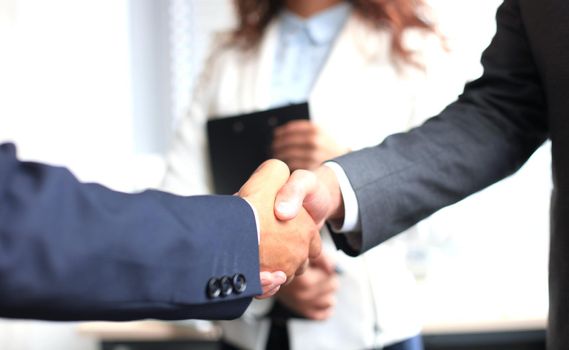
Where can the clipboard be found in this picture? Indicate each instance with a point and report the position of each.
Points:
(239, 144)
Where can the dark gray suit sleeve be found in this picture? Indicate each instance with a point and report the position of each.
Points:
(493, 128)
(73, 251)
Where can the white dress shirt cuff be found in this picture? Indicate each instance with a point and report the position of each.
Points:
(351, 221)
(256, 221)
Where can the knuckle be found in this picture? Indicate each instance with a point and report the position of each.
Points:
(276, 164)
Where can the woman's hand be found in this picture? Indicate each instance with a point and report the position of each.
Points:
(313, 294)
(301, 144)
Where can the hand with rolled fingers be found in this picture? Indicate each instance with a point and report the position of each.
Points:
(285, 245)
(302, 144)
(313, 294)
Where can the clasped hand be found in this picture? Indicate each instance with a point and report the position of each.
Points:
(290, 209)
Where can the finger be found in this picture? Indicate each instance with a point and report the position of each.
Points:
(304, 140)
(290, 198)
(295, 126)
(325, 262)
(311, 283)
(271, 282)
(302, 268)
(272, 278)
(306, 281)
(279, 277)
(299, 163)
(322, 286)
(293, 153)
(330, 286)
(315, 248)
(321, 315)
(269, 293)
(266, 279)
(324, 302)
(291, 138)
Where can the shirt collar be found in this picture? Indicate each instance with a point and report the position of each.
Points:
(321, 28)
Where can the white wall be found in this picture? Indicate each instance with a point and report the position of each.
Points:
(65, 93)
(194, 22)
(487, 256)
(65, 83)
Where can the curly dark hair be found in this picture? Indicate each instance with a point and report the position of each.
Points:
(396, 15)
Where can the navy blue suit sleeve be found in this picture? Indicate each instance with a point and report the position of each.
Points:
(73, 251)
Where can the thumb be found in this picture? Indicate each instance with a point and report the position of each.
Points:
(289, 200)
(302, 189)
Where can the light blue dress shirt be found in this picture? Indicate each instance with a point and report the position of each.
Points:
(302, 49)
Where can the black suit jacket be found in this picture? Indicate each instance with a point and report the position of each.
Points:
(72, 251)
(521, 99)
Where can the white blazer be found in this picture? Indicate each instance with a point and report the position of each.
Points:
(360, 97)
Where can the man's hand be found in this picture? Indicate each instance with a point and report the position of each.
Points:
(312, 295)
(285, 245)
(302, 144)
(271, 283)
(318, 192)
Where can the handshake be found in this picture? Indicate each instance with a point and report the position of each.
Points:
(291, 209)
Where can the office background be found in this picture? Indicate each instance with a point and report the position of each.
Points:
(99, 86)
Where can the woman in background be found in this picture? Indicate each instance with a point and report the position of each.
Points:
(368, 69)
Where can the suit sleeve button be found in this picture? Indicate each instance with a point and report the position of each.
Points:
(239, 283)
(226, 286)
(213, 288)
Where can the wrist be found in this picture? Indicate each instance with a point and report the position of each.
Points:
(328, 178)
(256, 216)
